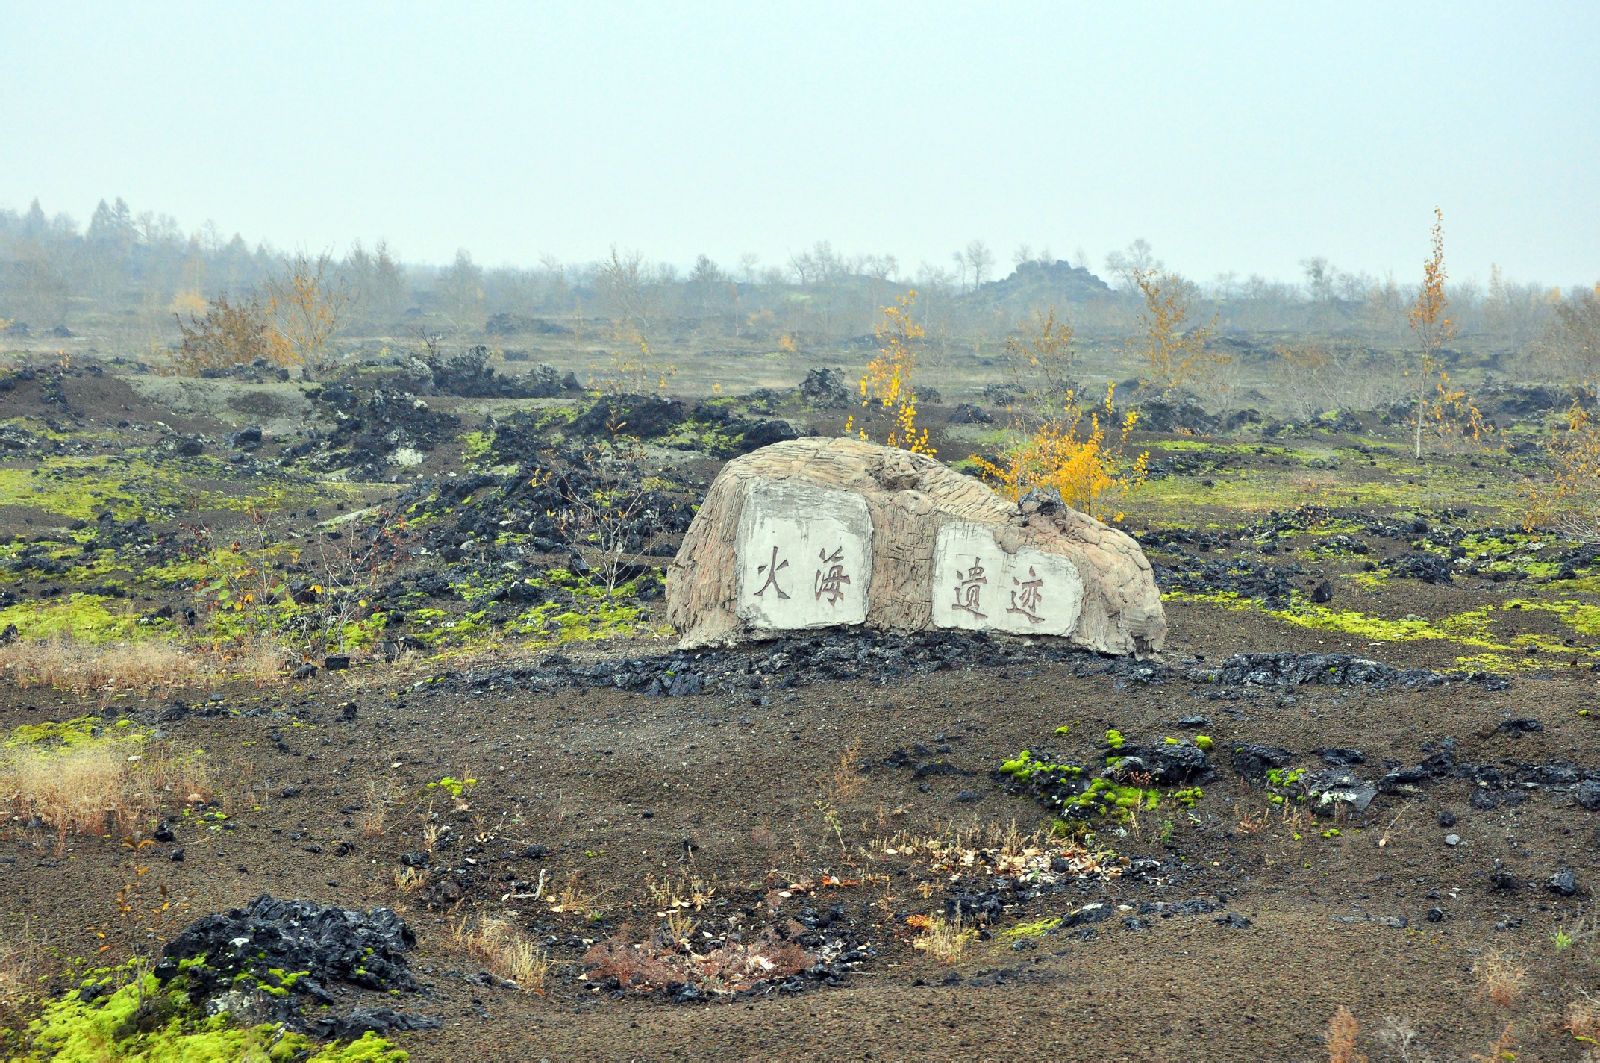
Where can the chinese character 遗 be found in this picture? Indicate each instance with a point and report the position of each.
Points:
(969, 587)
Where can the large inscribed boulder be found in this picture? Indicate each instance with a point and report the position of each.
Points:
(822, 532)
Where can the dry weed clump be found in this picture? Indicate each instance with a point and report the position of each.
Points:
(1500, 977)
(668, 960)
(502, 948)
(1504, 1049)
(22, 963)
(92, 784)
(375, 809)
(1582, 1024)
(86, 668)
(1341, 1037)
(945, 940)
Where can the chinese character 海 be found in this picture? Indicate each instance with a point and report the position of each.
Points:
(1026, 600)
(830, 584)
(969, 587)
(772, 569)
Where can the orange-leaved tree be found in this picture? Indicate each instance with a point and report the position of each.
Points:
(308, 304)
(1570, 501)
(886, 381)
(1434, 402)
(1079, 451)
(232, 333)
(1174, 352)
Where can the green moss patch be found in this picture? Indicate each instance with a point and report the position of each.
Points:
(143, 1021)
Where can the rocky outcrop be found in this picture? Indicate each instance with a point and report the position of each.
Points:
(824, 532)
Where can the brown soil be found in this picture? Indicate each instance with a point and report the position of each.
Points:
(729, 790)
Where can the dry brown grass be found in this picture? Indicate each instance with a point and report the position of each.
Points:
(1500, 977)
(410, 879)
(845, 780)
(945, 940)
(150, 664)
(22, 962)
(1582, 1023)
(1341, 1037)
(504, 950)
(87, 668)
(99, 784)
(375, 809)
(1504, 1049)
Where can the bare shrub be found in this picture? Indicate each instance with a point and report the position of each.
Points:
(508, 954)
(945, 940)
(1341, 1037)
(1500, 977)
(731, 967)
(84, 668)
(1582, 1023)
(375, 809)
(97, 784)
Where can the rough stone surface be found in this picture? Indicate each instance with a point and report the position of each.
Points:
(908, 542)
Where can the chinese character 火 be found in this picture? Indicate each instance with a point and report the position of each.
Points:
(831, 583)
(1026, 601)
(969, 586)
(772, 569)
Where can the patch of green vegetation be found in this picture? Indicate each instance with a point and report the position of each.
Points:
(1582, 617)
(1187, 797)
(1033, 929)
(66, 734)
(80, 616)
(221, 563)
(453, 786)
(128, 487)
(475, 445)
(1114, 739)
(144, 1021)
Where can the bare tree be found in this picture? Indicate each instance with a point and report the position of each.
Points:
(979, 259)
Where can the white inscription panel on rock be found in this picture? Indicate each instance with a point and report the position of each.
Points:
(978, 585)
(805, 556)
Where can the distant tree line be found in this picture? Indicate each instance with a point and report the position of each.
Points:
(140, 271)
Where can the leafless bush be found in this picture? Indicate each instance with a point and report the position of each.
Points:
(945, 940)
(84, 668)
(94, 785)
(502, 948)
(1500, 977)
(1341, 1037)
(731, 967)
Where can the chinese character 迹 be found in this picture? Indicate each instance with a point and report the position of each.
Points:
(831, 583)
(1026, 600)
(969, 587)
(772, 569)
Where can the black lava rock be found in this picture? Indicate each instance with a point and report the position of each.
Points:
(325, 947)
(1253, 760)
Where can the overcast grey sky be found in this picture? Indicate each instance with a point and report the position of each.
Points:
(1237, 136)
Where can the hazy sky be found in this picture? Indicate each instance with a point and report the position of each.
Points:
(1232, 136)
